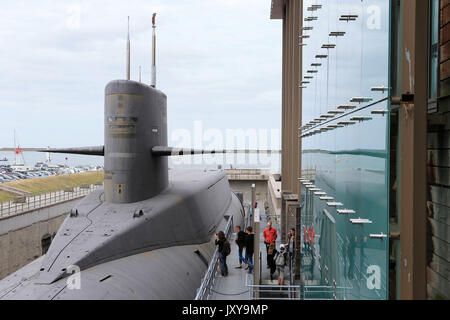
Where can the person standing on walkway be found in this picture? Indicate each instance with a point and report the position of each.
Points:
(291, 246)
(249, 249)
(270, 257)
(270, 236)
(240, 242)
(224, 251)
(280, 261)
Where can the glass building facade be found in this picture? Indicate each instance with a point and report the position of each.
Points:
(345, 149)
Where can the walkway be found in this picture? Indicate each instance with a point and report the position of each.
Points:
(265, 272)
(233, 287)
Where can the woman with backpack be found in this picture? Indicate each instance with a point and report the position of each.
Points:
(224, 251)
(281, 262)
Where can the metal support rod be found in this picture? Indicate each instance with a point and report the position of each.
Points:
(255, 226)
(128, 50)
(253, 204)
(257, 261)
(153, 84)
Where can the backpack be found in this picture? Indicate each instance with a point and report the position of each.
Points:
(280, 260)
(226, 249)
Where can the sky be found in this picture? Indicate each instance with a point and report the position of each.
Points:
(359, 61)
(218, 61)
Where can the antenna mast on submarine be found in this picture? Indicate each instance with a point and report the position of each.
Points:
(154, 51)
(128, 50)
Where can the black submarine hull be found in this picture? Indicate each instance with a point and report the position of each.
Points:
(155, 249)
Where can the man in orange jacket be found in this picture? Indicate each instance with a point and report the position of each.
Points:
(270, 236)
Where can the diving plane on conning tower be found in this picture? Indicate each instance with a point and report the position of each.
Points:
(148, 233)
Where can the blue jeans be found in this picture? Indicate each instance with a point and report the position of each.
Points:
(249, 260)
(223, 265)
(241, 256)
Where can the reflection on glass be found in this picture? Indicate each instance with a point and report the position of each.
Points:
(434, 44)
(341, 258)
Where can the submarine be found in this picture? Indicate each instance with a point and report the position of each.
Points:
(148, 233)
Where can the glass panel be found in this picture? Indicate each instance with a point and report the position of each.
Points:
(346, 153)
(434, 45)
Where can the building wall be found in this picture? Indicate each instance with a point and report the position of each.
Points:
(408, 76)
(438, 205)
(274, 196)
(246, 188)
(20, 247)
(22, 235)
(438, 224)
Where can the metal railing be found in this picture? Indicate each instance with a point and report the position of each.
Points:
(204, 292)
(28, 203)
(273, 291)
(291, 270)
(294, 292)
(332, 292)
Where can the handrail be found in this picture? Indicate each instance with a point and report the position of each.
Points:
(10, 208)
(313, 291)
(204, 291)
(293, 292)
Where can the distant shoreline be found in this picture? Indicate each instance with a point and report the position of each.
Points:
(23, 149)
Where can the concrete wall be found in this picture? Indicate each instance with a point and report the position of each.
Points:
(267, 188)
(241, 180)
(246, 188)
(21, 235)
(438, 205)
(274, 196)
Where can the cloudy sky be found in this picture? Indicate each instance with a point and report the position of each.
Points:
(219, 61)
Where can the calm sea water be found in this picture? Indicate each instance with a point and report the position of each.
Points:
(248, 162)
(31, 158)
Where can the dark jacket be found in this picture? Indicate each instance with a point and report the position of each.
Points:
(240, 241)
(249, 243)
(221, 244)
(271, 261)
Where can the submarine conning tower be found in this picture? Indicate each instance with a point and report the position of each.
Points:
(135, 121)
